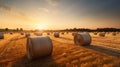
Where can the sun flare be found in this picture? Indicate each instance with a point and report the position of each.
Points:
(40, 27)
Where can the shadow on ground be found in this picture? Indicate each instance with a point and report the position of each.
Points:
(17, 38)
(105, 50)
(40, 62)
(66, 38)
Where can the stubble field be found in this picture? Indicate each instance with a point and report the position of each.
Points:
(103, 52)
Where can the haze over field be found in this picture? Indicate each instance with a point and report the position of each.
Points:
(59, 14)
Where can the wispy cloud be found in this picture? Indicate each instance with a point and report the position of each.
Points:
(52, 2)
(14, 12)
(44, 10)
(4, 7)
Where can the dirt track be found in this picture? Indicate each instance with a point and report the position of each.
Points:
(65, 54)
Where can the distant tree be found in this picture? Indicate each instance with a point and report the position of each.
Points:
(21, 29)
(6, 29)
(17, 29)
(66, 29)
(75, 29)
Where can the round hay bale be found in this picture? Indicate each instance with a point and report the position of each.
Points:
(11, 33)
(102, 34)
(107, 32)
(22, 33)
(117, 33)
(56, 34)
(82, 39)
(114, 33)
(51, 33)
(95, 33)
(67, 32)
(39, 46)
(38, 33)
(62, 33)
(1, 35)
(48, 33)
(27, 34)
(74, 33)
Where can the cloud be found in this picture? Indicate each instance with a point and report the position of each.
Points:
(44, 10)
(52, 2)
(11, 11)
(4, 7)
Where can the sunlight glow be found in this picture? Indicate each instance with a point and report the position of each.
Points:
(41, 27)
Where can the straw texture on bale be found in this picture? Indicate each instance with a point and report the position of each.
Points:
(74, 33)
(1, 35)
(102, 34)
(56, 34)
(82, 39)
(38, 33)
(39, 46)
(27, 34)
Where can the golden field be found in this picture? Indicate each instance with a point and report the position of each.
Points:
(103, 52)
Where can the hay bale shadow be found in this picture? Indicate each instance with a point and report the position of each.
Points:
(112, 52)
(66, 38)
(39, 62)
(17, 39)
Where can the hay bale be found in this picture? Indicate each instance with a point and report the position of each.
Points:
(38, 33)
(114, 33)
(62, 33)
(51, 33)
(102, 34)
(48, 33)
(67, 32)
(56, 34)
(82, 39)
(95, 33)
(1, 35)
(117, 33)
(22, 33)
(27, 34)
(39, 46)
(108, 33)
(74, 33)
(11, 33)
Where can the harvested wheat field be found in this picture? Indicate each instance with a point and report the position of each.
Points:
(59, 33)
(103, 52)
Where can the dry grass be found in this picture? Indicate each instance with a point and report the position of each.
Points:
(65, 54)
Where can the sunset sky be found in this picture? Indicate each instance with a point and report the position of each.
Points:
(59, 14)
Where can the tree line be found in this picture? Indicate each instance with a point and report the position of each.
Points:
(68, 30)
(9, 30)
(88, 30)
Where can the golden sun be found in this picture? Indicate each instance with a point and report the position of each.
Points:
(40, 26)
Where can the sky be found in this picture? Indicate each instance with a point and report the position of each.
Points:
(59, 14)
